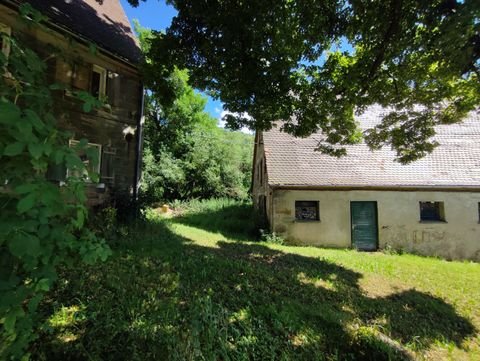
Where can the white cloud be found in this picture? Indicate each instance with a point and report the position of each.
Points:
(221, 123)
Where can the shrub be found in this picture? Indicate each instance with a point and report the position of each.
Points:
(42, 225)
(268, 237)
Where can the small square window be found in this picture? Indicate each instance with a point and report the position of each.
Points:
(432, 211)
(98, 82)
(307, 211)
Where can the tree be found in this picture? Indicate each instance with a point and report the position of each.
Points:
(314, 63)
(186, 154)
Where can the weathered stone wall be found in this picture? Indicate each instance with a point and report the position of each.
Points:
(70, 63)
(399, 223)
(260, 186)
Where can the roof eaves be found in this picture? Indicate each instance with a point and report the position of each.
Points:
(15, 4)
(375, 187)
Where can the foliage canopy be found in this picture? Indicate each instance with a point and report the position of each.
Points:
(186, 155)
(314, 63)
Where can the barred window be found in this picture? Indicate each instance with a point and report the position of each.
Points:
(307, 211)
(432, 211)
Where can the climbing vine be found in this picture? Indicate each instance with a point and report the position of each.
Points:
(42, 223)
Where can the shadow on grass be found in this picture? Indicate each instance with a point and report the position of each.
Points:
(236, 222)
(163, 297)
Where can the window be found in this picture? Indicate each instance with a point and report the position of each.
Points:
(113, 89)
(74, 74)
(307, 211)
(98, 82)
(108, 165)
(5, 33)
(92, 167)
(79, 76)
(432, 211)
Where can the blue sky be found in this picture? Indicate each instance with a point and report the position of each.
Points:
(156, 14)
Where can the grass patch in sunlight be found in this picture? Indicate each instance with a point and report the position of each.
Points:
(186, 288)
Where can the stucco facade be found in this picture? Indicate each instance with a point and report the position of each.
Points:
(399, 224)
(367, 200)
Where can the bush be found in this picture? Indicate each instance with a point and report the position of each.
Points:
(273, 238)
(42, 225)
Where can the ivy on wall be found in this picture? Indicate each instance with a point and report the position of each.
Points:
(42, 223)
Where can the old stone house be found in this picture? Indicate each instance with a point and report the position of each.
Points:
(90, 47)
(366, 200)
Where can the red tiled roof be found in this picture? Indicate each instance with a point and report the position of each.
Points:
(454, 163)
(101, 21)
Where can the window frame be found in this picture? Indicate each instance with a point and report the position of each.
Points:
(102, 87)
(317, 210)
(439, 209)
(7, 30)
(107, 152)
(73, 142)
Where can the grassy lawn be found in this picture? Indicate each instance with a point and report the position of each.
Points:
(193, 287)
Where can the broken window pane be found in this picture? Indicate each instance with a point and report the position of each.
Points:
(307, 211)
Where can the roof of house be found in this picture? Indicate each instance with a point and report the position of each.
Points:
(454, 163)
(101, 21)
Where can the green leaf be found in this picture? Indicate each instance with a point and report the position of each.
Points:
(83, 143)
(9, 113)
(87, 107)
(34, 119)
(9, 323)
(43, 285)
(25, 129)
(49, 196)
(26, 203)
(74, 161)
(35, 149)
(26, 188)
(33, 304)
(58, 156)
(47, 148)
(14, 149)
(80, 218)
(43, 231)
(25, 244)
(94, 177)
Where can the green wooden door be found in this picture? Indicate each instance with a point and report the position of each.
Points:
(364, 225)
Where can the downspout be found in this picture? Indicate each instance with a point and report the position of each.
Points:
(138, 151)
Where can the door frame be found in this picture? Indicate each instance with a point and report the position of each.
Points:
(376, 225)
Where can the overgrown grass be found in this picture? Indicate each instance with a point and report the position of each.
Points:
(232, 219)
(192, 288)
